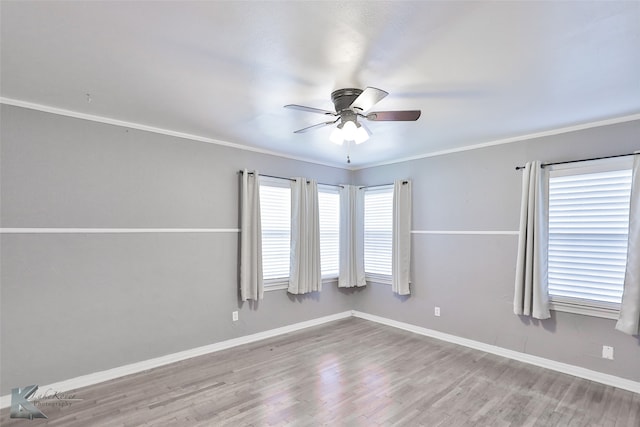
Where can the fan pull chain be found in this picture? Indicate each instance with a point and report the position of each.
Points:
(348, 152)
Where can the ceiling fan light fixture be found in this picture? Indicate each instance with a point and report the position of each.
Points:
(361, 134)
(336, 136)
(349, 130)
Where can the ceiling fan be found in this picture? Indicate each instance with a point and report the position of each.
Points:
(350, 105)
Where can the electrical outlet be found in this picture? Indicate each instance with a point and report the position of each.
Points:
(607, 352)
(234, 316)
(436, 312)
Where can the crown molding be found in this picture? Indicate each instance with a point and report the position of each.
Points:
(192, 137)
(551, 132)
(153, 129)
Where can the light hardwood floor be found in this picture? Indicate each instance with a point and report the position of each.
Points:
(347, 373)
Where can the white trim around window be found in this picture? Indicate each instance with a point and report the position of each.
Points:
(329, 213)
(275, 214)
(378, 230)
(588, 227)
(275, 200)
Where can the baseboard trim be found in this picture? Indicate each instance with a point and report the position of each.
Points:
(542, 362)
(134, 368)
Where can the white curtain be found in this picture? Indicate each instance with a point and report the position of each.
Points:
(351, 272)
(629, 320)
(401, 238)
(531, 292)
(305, 275)
(251, 286)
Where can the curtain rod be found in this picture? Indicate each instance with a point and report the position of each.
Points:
(380, 185)
(582, 160)
(290, 179)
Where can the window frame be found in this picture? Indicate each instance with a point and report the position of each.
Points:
(276, 283)
(282, 283)
(334, 190)
(385, 279)
(608, 310)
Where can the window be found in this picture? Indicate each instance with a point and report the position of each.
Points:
(378, 222)
(329, 212)
(275, 215)
(588, 232)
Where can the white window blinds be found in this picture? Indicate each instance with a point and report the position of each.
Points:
(378, 221)
(329, 212)
(275, 212)
(588, 228)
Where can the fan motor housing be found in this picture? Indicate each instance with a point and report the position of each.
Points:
(343, 98)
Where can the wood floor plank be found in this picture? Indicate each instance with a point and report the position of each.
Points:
(349, 372)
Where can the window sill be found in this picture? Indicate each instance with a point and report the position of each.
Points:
(378, 278)
(276, 287)
(283, 284)
(605, 311)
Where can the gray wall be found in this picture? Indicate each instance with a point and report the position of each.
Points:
(471, 276)
(74, 304)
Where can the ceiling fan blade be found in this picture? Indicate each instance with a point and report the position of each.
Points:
(318, 126)
(310, 109)
(368, 98)
(394, 116)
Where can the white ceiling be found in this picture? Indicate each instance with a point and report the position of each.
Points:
(479, 71)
